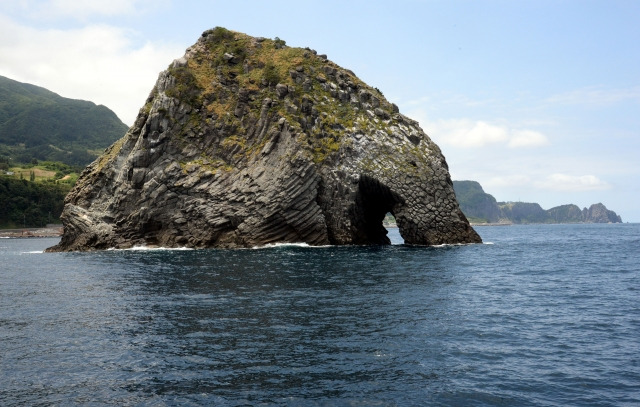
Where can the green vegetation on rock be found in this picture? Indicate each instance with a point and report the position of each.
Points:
(231, 73)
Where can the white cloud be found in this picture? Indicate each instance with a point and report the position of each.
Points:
(515, 180)
(466, 133)
(99, 63)
(572, 183)
(87, 8)
(527, 138)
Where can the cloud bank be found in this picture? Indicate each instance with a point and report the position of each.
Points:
(96, 62)
(554, 182)
(572, 183)
(466, 133)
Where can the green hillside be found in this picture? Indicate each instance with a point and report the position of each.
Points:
(36, 123)
(524, 212)
(566, 213)
(477, 205)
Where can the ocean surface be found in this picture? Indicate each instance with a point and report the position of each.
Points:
(539, 315)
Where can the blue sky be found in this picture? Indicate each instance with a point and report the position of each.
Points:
(539, 100)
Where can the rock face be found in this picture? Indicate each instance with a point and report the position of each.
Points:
(598, 213)
(245, 141)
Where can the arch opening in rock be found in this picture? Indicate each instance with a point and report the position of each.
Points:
(373, 201)
(393, 231)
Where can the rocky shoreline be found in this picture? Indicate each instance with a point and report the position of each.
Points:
(31, 232)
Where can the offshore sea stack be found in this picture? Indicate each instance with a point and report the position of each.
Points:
(245, 141)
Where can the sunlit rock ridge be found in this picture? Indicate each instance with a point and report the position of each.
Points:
(245, 141)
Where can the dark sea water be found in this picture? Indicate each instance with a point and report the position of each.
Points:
(544, 315)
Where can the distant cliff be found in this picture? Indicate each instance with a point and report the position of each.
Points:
(477, 205)
(598, 213)
(481, 207)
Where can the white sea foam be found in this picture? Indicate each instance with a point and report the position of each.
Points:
(276, 245)
(458, 244)
(150, 249)
(281, 245)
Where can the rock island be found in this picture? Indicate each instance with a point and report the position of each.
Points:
(246, 141)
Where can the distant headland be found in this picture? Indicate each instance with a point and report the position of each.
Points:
(482, 208)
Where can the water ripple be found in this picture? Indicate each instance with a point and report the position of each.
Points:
(544, 316)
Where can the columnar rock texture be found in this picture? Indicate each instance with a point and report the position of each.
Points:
(245, 141)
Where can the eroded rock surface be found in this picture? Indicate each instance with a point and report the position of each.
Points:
(598, 213)
(245, 141)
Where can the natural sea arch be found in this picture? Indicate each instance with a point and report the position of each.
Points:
(374, 201)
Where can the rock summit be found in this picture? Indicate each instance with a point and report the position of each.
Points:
(246, 141)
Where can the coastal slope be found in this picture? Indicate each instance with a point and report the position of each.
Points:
(37, 124)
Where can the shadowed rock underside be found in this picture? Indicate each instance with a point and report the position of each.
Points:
(245, 141)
